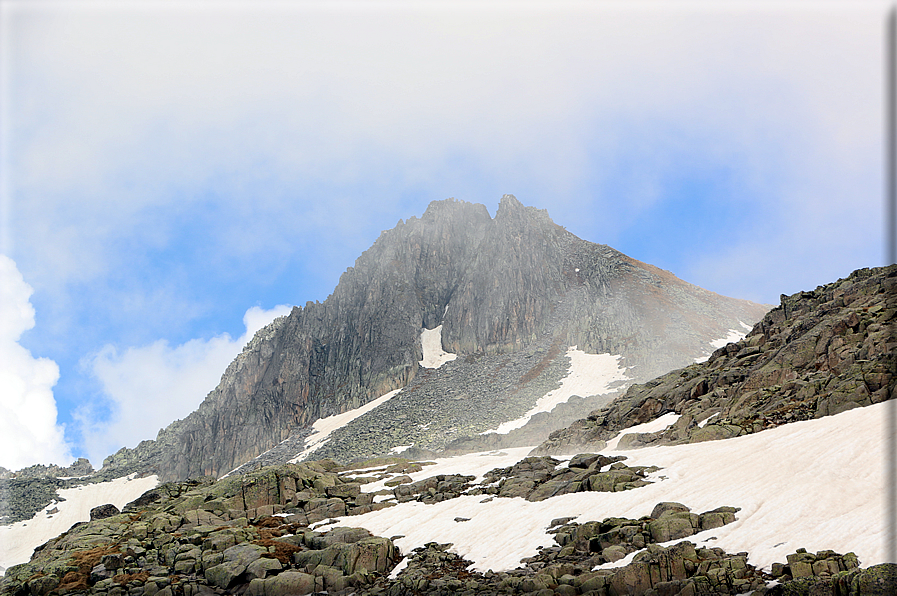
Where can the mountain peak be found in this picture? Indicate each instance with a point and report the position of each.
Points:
(453, 208)
(511, 293)
(510, 202)
(512, 210)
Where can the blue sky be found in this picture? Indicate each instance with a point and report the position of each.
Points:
(175, 174)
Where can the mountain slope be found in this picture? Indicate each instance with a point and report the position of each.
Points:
(817, 353)
(504, 290)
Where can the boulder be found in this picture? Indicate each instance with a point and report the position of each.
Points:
(583, 460)
(226, 574)
(668, 507)
(40, 586)
(244, 554)
(338, 535)
(261, 568)
(103, 511)
(673, 525)
(286, 583)
(718, 517)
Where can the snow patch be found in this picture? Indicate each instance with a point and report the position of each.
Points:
(836, 459)
(18, 540)
(324, 426)
(733, 336)
(703, 422)
(394, 574)
(665, 421)
(431, 343)
(589, 374)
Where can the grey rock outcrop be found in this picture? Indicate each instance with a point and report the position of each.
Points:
(80, 467)
(103, 511)
(497, 286)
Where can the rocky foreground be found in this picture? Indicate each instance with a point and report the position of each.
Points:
(255, 535)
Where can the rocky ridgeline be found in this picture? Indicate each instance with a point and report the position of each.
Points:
(497, 285)
(27, 491)
(24, 497)
(818, 353)
(682, 569)
(80, 467)
(251, 535)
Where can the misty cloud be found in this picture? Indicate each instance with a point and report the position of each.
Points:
(138, 116)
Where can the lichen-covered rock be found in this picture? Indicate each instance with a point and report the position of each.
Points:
(287, 583)
(244, 554)
(225, 575)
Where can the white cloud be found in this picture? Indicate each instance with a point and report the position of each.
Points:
(150, 386)
(28, 430)
(136, 111)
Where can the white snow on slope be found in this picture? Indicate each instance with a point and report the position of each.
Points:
(734, 335)
(590, 374)
(18, 540)
(817, 484)
(431, 342)
(324, 426)
(653, 426)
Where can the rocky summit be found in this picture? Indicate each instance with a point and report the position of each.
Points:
(510, 295)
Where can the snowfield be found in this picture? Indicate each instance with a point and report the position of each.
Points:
(590, 374)
(734, 335)
(817, 484)
(18, 540)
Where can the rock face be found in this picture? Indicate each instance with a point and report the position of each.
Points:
(818, 353)
(497, 286)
